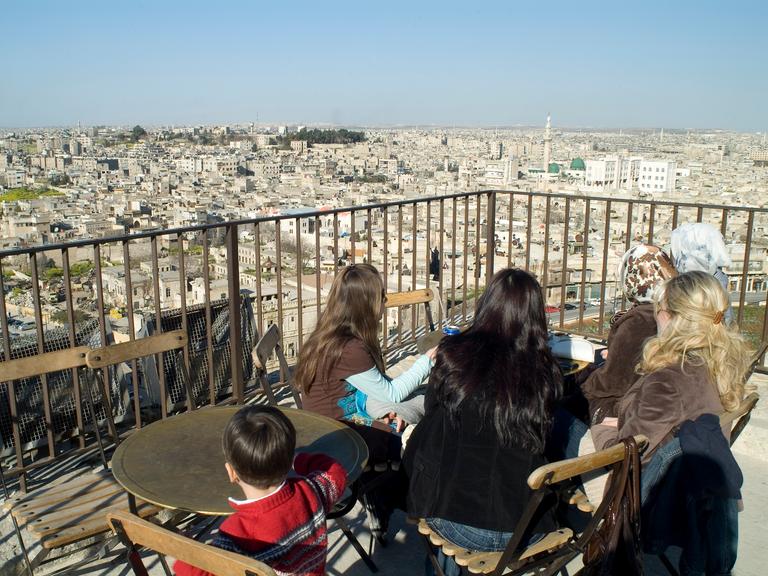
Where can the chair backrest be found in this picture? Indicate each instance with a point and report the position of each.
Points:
(413, 297)
(133, 532)
(265, 347)
(757, 358)
(40, 366)
(133, 349)
(101, 358)
(566, 469)
(739, 418)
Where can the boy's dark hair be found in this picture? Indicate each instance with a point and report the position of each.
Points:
(259, 442)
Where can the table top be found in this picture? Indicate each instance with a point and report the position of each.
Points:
(431, 339)
(179, 462)
(571, 367)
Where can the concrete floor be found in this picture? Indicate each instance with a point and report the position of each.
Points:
(404, 555)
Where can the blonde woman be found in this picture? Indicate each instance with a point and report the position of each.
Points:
(695, 365)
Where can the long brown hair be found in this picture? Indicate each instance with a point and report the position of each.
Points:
(353, 310)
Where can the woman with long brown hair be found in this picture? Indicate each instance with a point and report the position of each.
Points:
(341, 366)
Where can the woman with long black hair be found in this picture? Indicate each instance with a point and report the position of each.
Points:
(489, 409)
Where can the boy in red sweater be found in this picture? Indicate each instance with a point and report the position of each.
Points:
(281, 521)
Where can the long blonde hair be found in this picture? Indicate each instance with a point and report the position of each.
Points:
(353, 310)
(697, 333)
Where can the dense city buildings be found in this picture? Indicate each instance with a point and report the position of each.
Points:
(61, 185)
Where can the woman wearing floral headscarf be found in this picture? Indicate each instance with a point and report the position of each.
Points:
(644, 268)
(700, 246)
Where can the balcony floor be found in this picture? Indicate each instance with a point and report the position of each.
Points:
(404, 554)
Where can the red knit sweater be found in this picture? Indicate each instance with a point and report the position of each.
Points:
(285, 530)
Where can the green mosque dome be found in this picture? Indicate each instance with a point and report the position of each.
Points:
(554, 168)
(578, 164)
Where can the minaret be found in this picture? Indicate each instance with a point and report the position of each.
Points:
(547, 144)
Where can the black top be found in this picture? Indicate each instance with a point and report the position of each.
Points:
(459, 471)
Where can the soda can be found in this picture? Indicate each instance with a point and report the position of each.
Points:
(451, 330)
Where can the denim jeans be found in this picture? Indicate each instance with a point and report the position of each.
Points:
(654, 470)
(467, 537)
(567, 432)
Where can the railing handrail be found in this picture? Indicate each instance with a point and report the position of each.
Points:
(362, 207)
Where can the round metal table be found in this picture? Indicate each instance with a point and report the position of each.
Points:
(179, 462)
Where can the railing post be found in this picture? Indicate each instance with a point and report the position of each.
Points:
(490, 236)
(235, 335)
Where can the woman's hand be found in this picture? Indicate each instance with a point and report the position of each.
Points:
(432, 353)
(393, 417)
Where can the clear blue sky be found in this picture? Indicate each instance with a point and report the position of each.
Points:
(648, 63)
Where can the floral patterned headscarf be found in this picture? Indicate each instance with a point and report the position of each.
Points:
(643, 269)
(698, 246)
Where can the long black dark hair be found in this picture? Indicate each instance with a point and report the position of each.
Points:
(503, 364)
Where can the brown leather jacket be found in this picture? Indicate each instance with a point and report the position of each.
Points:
(606, 386)
(662, 400)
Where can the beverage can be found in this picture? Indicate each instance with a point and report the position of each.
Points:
(451, 330)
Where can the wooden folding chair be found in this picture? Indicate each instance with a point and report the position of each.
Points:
(136, 533)
(737, 419)
(412, 298)
(100, 359)
(266, 346)
(63, 512)
(551, 553)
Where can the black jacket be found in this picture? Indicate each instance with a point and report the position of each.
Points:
(459, 472)
(694, 505)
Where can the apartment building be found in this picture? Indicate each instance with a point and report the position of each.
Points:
(657, 176)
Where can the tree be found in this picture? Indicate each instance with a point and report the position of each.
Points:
(137, 132)
(288, 245)
(60, 180)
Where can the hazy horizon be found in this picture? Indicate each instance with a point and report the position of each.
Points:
(594, 65)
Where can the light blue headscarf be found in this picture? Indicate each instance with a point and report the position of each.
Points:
(698, 246)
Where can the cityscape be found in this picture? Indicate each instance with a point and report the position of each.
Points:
(102, 183)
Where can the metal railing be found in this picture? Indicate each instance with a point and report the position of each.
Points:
(108, 289)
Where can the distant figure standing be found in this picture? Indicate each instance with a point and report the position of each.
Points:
(700, 246)
(434, 264)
